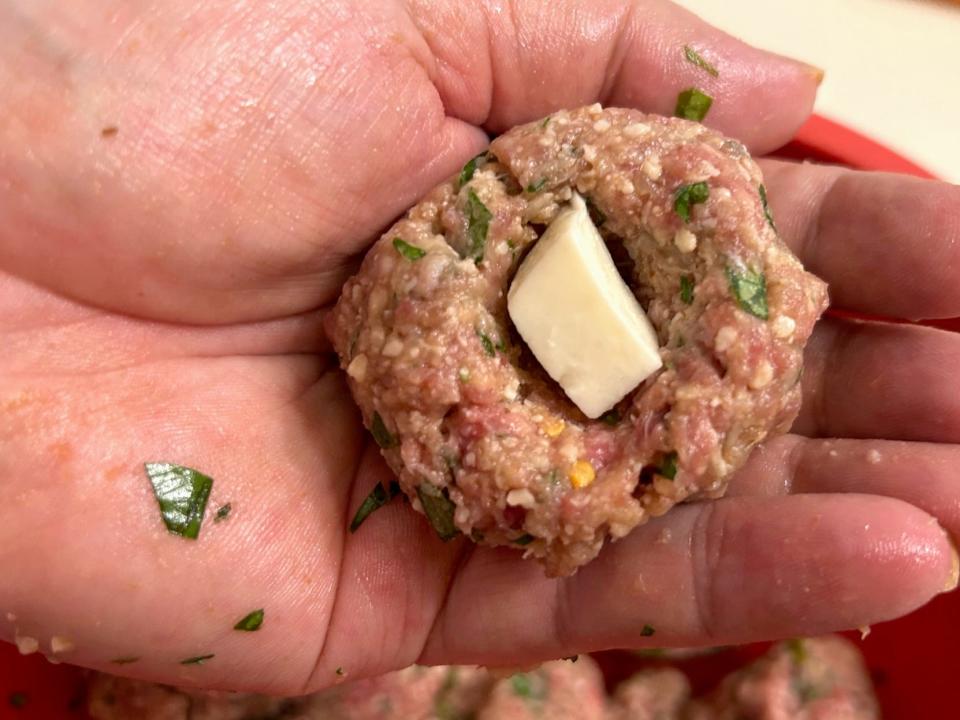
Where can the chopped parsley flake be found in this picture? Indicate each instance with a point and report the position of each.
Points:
(686, 289)
(689, 195)
(18, 700)
(766, 208)
(251, 622)
(182, 494)
(610, 417)
(528, 686)
(383, 437)
(536, 186)
(488, 346)
(478, 224)
(197, 660)
(340, 672)
(223, 512)
(466, 174)
(443, 708)
(668, 468)
(524, 539)
(698, 60)
(797, 650)
(647, 631)
(410, 252)
(546, 121)
(750, 290)
(125, 660)
(438, 509)
(374, 501)
(693, 104)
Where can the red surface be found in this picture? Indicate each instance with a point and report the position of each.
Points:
(914, 660)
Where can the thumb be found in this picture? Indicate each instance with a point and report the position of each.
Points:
(499, 63)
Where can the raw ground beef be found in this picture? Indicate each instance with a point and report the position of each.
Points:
(478, 435)
(816, 679)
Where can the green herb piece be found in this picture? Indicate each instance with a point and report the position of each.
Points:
(524, 539)
(488, 347)
(383, 437)
(536, 186)
(647, 631)
(521, 686)
(478, 224)
(686, 289)
(125, 660)
(668, 468)
(798, 650)
(750, 290)
(610, 417)
(596, 214)
(197, 660)
(546, 121)
(464, 375)
(443, 708)
(697, 59)
(766, 208)
(466, 174)
(528, 686)
(340, 672)
(476, 536)
(693, 105)
(689, 195)
(374, 501)
(223, 512)
(250, 622)
(410, 252)
(438, 508)
(182, 494)
(18, 700)
(553, 477)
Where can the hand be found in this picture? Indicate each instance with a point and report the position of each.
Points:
(183, 189)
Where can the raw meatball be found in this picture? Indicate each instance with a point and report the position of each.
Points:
(659, 694)
(481, 439)
(560, 690)
(816, 679)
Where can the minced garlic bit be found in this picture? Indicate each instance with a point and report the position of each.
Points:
(26, 645)
(601, 125)
(553, 427)
(521, 497)
(60, 644)
(635, 130)
(783, 326)
(763, 375)
(582, 474)
(726, 337)
(685, 240)
(357, 369)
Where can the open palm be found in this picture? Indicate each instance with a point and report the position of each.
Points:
(183, 189)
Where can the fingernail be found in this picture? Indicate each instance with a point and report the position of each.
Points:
(817, 73)
(954, 578)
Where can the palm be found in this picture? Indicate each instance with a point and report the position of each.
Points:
(169, 307)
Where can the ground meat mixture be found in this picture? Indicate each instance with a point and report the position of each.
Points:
(817, 679)
(481, 439)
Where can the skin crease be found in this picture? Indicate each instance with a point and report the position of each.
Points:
(162, 291)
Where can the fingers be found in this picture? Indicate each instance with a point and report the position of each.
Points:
(879, 380)
(502, 63)
(926, 475)
(730, 571)
(392, 584)
(886, 244)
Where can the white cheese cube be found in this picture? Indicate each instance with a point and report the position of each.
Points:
(578, 317)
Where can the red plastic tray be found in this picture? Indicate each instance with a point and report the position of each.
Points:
(914, 660)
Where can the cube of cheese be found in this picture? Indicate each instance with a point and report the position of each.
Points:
(578, 317)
